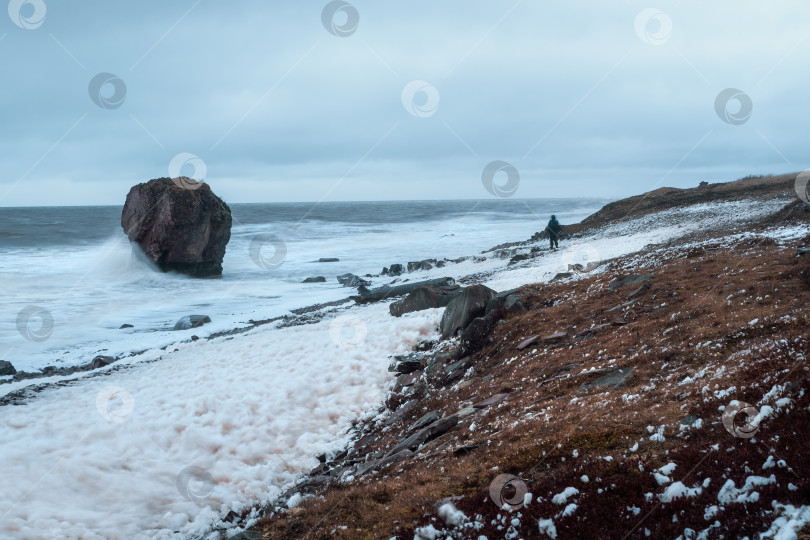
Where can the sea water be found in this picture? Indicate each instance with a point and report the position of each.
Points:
(69, 278)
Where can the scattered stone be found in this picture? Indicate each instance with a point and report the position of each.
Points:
(426, 264)
(517, 258)
(453, 377)
(127, 325)
(350, 280)
(6, 368)
(328, 259)
(617, 379)
(387, 291)
(409, 379)
(475, 336)
(380, 463)
(467, 411)
(641, 290)
(804, 251)
(493, 400)
(576, 267)
(424, 298)
(689, 420)
(464, 308)
(401, 412)
(629, 280)
(464, 450)
(426, 420)
(622, 306)
(192, 321)
(562, 275)
(101, 361)
(393, 270)
(180, 229)
(316, 279)
(526, 342)
(405, 365)
(555, 338)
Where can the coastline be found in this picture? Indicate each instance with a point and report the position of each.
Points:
(601, 240)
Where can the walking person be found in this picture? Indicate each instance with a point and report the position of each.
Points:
(554, 228)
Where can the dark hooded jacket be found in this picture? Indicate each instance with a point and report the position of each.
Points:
(554, 226)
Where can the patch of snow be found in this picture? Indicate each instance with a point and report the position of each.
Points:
(451, 515)
(562, 497)
(547, 527)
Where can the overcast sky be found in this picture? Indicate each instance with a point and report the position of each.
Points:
(583, 98)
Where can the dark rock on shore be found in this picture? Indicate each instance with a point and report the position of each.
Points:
(316, 279)
(616, 379)
(510, 300)
(328, 259)
(464, 308)
(192, 321)
(387, 291)
(629, 280)
(180, 229)
(393, 270)
(127, 325)
(426, 264)
(424, 298)
(350, 280)
(6, 368)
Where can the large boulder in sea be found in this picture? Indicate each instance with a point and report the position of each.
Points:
(179, 224)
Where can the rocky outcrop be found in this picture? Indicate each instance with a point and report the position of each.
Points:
(6, 368)
(381, 293)
(464, 308)
(350, 280)
(192, 321)
(180, 229)
(316, 279)
(424, 298)
(393, 270)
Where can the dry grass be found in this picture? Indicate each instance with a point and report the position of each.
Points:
(687, 338)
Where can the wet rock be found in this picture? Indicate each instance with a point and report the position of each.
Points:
(6, 368)
(123, 326)
(629, 280)
(366, 295)
(562, 275)
(316, 279)
(617, 379)
(576, 267)
(350, 280)
(464, 308)
(191, 321)
(424, 298)
(180, 229)
(406, 363)
(101, 361)
(393, 270)
(409, 379)
(518, 258)
(426, 264)
(328, 259)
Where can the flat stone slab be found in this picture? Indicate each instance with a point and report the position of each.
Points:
(553, 338)
(427, 419)
(617, 379)
(526, 342)
(493, 400)
(632, 279)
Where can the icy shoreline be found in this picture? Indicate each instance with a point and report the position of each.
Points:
(101, 456)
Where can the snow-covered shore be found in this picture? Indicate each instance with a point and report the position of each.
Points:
(101, 457)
